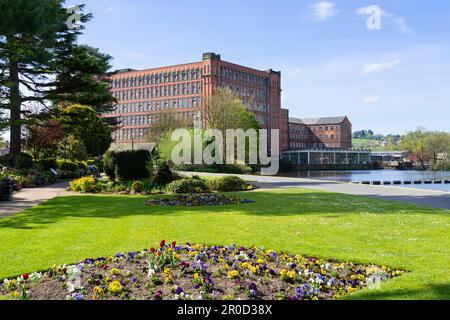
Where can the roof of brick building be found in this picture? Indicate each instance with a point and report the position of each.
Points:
(318, 121)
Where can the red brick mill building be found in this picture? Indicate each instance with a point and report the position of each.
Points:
(183, 89)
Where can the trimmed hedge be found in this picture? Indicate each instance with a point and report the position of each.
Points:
(127, 165)
(21, 161)
(227, 184)
(47, 164)
(67, 165)
(188, 185)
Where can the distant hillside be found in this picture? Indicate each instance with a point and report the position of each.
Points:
(377, 142)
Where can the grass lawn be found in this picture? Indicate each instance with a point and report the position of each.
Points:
(299, 221)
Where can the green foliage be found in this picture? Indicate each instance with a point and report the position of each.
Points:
(67, 165)
(164, 174)
(227, 184)
(430, 149)
(84, 124)
(188, 185)
(297, 221)
(76, 149)
(137, 187)
(21, 161)
(83, 79)
(47, 164)
(109, 165)
(84, 185)
(68, 175)
(127, 165)
(34, 34)
(225, 110)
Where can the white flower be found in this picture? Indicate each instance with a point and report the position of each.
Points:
(151, 272)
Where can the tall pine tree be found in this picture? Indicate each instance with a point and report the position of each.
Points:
(41, 62)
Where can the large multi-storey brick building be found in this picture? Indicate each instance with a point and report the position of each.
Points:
(184, 88)
(329, 132)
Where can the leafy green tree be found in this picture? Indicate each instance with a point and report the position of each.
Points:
(166, 122)
(225, 110)
(41, 62)
(82, 78)
(30, 30)
(415, 142)
(437, 146)
(73, 149)
(84, 124)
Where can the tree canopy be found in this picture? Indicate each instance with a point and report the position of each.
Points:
(84, 124)
(41, 62)
(430, 149)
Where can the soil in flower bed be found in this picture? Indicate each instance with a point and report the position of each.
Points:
(193, 272)
(197, 200)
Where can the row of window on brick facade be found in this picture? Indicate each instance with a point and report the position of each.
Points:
(326, 136)
(305, 145)
(159, 91)
(242, 76)
(140, 133)
(331, 128)
(148, 119)
(158, 105)
(248, 92)
(157, 78)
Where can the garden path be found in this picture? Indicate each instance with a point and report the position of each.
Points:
(27, 198)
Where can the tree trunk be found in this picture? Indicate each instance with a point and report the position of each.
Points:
(15, 103)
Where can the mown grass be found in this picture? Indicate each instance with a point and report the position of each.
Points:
(300, 221)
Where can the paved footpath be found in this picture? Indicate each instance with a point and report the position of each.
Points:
(437, 199)
(28, 198)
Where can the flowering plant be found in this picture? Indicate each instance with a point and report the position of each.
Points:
(199, 272)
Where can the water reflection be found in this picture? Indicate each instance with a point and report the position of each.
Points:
(378, 175)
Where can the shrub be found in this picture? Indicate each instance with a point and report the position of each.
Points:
(227, 184)
(109, 165)
(164, 175)
(137, 187)
(85, 185)
(45, 179)
(21, 161)
(187, 185)
(82, 165)
(67, 165)
(99, 165)
(65, 175)
(47, 164)
(127, 165)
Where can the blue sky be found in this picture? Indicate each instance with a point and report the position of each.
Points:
(391, 80)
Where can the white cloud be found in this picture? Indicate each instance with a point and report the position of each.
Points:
(400, 22)
(379, 67)
(324, 10)
(371, 99)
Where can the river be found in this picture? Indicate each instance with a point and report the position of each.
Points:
(380, 175)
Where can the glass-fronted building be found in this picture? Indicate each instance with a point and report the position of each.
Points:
(325, 156)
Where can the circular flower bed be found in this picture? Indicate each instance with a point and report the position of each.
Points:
(196, 200)
(198, 272)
